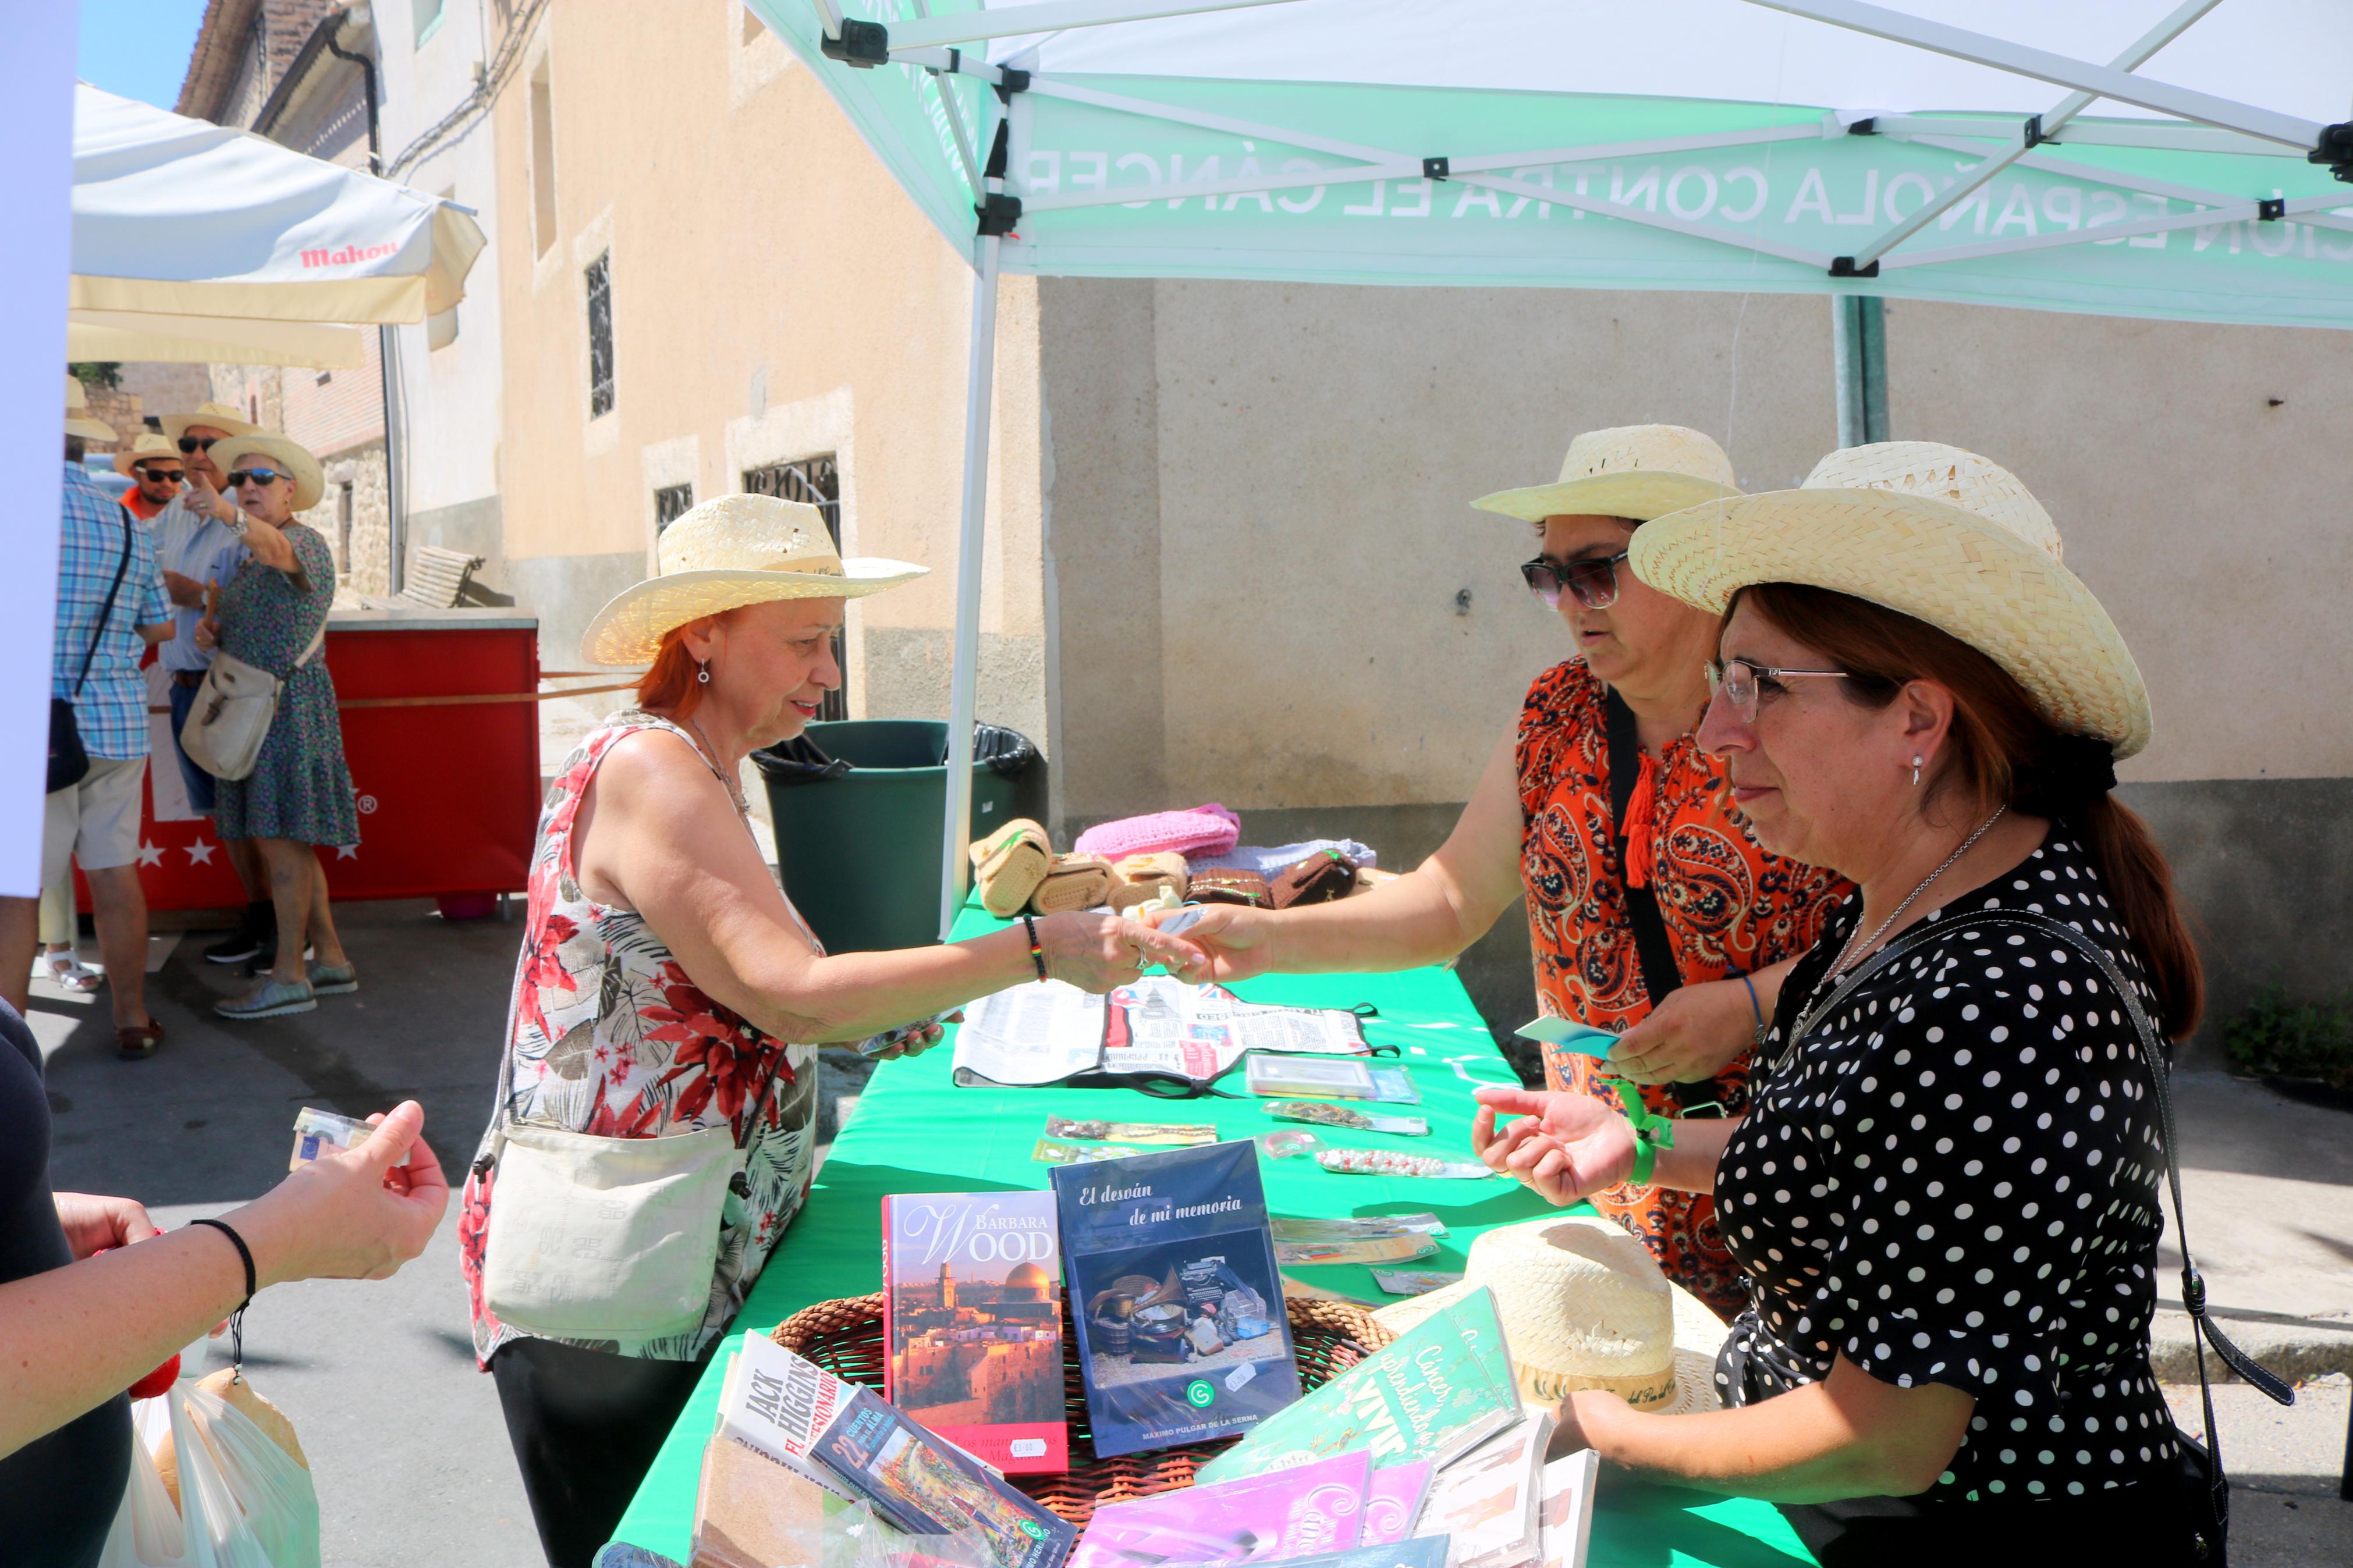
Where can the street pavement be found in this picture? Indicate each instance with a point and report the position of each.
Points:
(405, 1436)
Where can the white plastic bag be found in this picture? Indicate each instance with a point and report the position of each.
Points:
(247, 1503)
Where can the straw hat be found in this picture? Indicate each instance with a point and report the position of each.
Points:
(149, 445)
(310, 481)
(1942, 535)
(1640, 472)
(78, 420)
(1584, 1305)
(219, 416)
(730, 551)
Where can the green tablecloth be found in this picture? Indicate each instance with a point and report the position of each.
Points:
(915, 1131)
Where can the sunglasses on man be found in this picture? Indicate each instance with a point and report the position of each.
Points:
(260, 476)
(1593, 580)
(148, 471)
(192, 444)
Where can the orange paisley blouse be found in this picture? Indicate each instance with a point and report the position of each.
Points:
(1728, 907)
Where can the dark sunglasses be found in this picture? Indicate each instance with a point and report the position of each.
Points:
(1593, 581)
(258, 475)
(146, 472)
(192, 444)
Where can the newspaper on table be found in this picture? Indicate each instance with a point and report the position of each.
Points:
(1048, 1032)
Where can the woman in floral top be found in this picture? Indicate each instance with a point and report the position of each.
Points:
(1540, 826)
(667, 986)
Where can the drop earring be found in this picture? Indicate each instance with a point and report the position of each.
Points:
(1915, 762)
(702, 678)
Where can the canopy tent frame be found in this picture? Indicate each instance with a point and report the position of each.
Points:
(2199, 122)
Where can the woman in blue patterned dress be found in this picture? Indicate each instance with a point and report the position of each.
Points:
(273, 614)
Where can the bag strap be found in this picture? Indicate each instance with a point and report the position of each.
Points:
(2152, 1051)
(106, 612)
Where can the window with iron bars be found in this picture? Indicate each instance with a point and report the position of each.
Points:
(670, 504)
(817, 481)
(600, 336)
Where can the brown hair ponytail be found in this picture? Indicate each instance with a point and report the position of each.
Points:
(2003, 749)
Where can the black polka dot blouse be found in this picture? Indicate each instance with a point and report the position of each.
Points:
(1954, 1179)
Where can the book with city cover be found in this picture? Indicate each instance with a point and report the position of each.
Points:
(1175, 1297)
(1313, 1509)
(972, 1287)
(925, 1486)
(1432, 1392)
(774, 1403)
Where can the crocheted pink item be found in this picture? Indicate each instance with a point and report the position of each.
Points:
(1205, 830)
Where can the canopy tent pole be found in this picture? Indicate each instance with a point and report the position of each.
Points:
(980, 381)
(1859, 351)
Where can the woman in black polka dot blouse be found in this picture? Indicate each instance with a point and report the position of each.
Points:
(1945, 1192)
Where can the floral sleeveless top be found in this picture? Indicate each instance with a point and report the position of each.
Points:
(608, 1036)
(1728, 908)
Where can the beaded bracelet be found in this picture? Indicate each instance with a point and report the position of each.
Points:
(1036, 949)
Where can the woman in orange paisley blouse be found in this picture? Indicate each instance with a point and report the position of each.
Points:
(1541, 825)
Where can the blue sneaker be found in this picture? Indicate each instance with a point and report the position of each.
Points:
(333, 979)
(269, 999)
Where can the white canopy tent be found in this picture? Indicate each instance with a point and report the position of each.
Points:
(2125, 157)
(196, 241)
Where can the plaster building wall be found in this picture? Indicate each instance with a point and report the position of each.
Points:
(449, 373)
(772, 298)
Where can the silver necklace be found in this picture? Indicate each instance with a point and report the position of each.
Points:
(1850, 953)
(735, 791)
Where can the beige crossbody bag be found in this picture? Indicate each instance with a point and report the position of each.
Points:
(233, 711)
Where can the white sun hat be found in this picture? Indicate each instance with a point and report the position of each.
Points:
(78, 419)
(1585, 1304)
(288, 457)
(148, 444)
(1640, 472)
(219, 416)
(730, 551)
(1941, 534)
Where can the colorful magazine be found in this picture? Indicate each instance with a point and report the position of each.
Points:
(971, 1287)
(1318, 1507)
(1420, 1552)
(1175, 1297)
(1487, 1500)
(927, 1486)
(774, 1403)
(1443, 1386)
(1393, 1501)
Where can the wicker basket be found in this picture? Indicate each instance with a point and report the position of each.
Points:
(846, 1338)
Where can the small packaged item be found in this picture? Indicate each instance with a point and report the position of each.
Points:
(1223, 885)
(1324, 1113)
(1175, 1135)
(319, 1131)
(1055, 1151)
(1326, 1077)
(1390, 1162)
(1318, 879)
(1414, 1281)
(1284, 1145)
(1010, 864)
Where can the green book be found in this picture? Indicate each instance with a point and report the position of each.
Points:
(1430, 1396)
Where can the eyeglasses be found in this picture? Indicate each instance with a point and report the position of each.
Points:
(1593, 580)
(192, 444)
(146, 472)
(1740, 682)
(258, 476)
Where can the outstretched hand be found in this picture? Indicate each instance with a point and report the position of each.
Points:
(1564, 1146)
(1232, 937)
(1693, 1035)
(354, 1214)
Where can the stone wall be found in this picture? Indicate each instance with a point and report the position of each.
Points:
(364, 556)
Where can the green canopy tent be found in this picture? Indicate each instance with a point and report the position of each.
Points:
(1946, 150)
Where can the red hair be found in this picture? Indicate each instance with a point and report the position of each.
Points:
(670, 685)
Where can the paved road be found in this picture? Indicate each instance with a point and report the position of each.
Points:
(404, 1435)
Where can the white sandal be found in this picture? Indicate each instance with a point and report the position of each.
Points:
(67, 970)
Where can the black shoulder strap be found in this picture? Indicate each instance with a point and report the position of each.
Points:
(1652, 951)
(106, 611)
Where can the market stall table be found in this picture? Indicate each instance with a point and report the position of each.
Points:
(914, 1132)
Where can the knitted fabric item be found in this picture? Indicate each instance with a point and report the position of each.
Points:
(1010, 864)
(1076, 882)
(1270, 863)
(1204, 831)
(1315, 881)
(1228, 886)
(1137, 877)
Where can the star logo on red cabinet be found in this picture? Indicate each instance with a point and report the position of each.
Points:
(200, 853)
(347, 851)
(150, 854)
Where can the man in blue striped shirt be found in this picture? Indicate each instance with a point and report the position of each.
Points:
(103, 627)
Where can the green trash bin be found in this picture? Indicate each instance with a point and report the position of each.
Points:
(860, 852)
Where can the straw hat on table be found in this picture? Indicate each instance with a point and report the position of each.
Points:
(1585, 1304)
(279, 453)
(149, 445)
(1944, 536)
(78, 420)
(730, 551)
(218, 416)
(1640, 471)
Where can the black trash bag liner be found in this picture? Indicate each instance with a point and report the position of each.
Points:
(798, 760)
(1009, 753)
